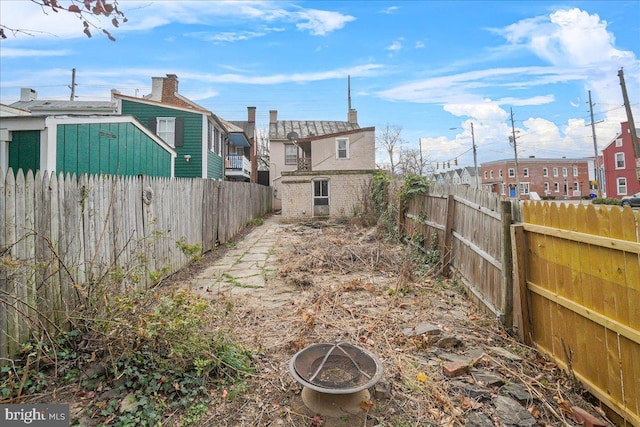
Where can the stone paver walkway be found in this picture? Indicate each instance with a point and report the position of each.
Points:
(245, 269)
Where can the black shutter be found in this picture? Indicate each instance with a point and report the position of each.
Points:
(179, 136)
(151, 124)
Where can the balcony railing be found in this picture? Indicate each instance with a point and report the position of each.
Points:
(237, 166)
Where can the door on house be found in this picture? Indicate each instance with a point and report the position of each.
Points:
(321, 197)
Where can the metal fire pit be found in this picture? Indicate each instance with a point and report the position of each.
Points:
(335, 377)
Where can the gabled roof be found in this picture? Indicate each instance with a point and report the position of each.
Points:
(73, 107)
(308, 128)
(161, 104)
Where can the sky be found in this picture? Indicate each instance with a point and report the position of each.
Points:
(429, 68)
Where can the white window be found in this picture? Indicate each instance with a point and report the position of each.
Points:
(342, 148)
(556, 187)
(485, 174)
(545, 172)
(619, 142)
(575, 171)
(564, 172)
(524, 188)
(546, 188)
(166, 129)
(622, 186)
(576, 186)
(500, 173)
(555, 171)
(290, 154)
(491, 173)
(525, 172)
(619, 160)
(512, 172)
(503, 188)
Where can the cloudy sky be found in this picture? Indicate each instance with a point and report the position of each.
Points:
(426, 67)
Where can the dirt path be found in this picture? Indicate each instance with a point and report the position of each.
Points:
(288, 286)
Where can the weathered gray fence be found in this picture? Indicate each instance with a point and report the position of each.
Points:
(62, 236)
(471, 229)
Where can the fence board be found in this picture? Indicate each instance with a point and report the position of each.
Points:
(584, 310)
(63, 236)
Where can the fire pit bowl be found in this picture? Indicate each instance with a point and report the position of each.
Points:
(335, 377)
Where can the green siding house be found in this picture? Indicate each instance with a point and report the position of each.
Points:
(195, 133)
(114, 145)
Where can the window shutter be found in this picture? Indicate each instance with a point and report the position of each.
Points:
(179, 129)
(151, 124)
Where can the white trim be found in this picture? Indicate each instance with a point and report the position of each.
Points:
(205, 149)
(346, 148)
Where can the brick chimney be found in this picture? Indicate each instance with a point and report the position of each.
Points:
(251, 114)
(273, 116)
(28, 94)
(169, 88)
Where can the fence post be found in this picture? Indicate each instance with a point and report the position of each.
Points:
(522, 319)
(448, 235)
(507, 265)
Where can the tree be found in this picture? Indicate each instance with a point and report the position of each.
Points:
(390, 141)
(264, 156)
(85, 10)
(411, 162)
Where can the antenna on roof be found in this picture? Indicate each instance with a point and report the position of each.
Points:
(349, 90)
(292, 136)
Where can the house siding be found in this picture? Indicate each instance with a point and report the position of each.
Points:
(109, 148)
(193, 138)
(215, 169)
(24, 150)
(613, 172)
(346, 193)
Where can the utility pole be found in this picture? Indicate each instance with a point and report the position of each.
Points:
(73, 84)
(632, 126)
(349, 92)
(475, 159)
(515, 154)
(596, 160)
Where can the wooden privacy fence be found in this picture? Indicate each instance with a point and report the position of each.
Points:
(579, 270)
(470, 228)
(61, 236)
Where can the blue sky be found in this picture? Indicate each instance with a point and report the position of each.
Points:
(425, 66)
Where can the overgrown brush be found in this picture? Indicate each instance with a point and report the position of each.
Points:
(148, 354)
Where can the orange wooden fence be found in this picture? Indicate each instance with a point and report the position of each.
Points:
(581, 272)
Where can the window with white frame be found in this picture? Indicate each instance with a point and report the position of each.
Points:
(491, 173)
(512, 172)
(545, 172)
(576, 186)
(166, 129)
(622, 186)
(290, 154)
(619, 142)
(503, 188)
(575, 171)
(524, 188)
(485, 174)
(500, 173)
(564, 172)
(556, 187)
(321, 192)
(546, 188)
(525, 172)
(619, 160)
(342, 148)
(555, 171)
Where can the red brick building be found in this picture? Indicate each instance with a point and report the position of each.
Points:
(561, 178)
(620, 165)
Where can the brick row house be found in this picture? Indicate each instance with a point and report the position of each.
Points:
(560, 178)
(320, 168)
(621, 165)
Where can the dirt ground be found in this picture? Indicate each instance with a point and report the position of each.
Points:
(349, 284)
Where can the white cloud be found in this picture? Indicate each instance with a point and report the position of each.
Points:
(487, 110)
(419, 45)
(322, 22)
(389, 10)
(534, 100)
(396, 45)
(9, 52)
